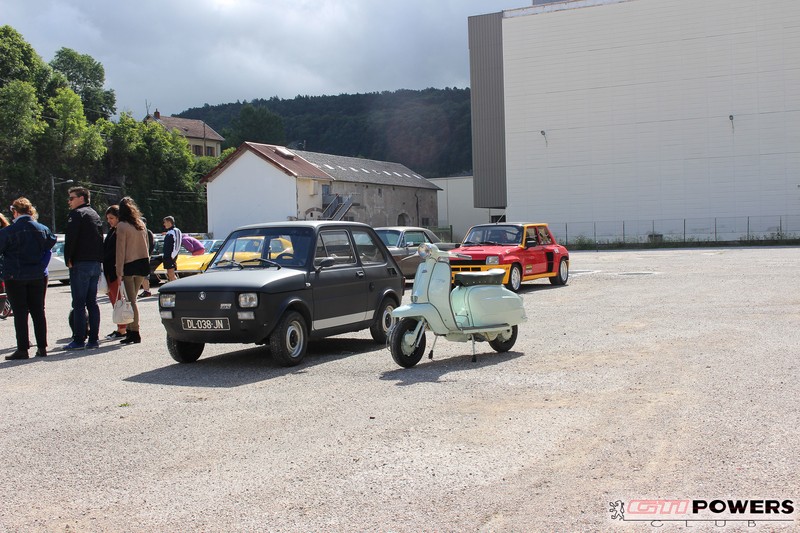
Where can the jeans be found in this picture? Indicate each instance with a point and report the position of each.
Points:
(27, 298)
(83, 278)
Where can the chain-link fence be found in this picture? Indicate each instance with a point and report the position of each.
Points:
(708, 230)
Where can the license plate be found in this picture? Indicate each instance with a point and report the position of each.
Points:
(206, 324)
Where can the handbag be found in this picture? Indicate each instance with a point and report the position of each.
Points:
(123, 309)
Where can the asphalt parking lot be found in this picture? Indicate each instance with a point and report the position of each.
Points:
(654, 374)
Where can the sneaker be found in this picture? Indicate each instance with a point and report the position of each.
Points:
(145, 294)
(115, 335)
(91, 345)
(19, 354)
(75, 345)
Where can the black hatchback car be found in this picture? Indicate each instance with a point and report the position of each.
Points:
(283, 284)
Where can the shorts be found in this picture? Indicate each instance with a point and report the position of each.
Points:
(169, 263)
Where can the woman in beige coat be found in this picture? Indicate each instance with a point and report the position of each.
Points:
(133, 259)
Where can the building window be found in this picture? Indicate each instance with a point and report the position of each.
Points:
(197, 149)
(210, 151)
(426, 221)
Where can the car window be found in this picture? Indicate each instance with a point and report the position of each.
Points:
(158, 247)
(544, 236)
(495, 234)
(289, 247)
(389, 237)
(336, 244)
(415, 238)
(368, 250)
(58, 248)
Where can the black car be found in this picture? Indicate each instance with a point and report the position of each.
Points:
(283, 284)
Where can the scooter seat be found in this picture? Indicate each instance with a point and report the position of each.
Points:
(489, 277)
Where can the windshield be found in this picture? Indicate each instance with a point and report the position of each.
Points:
(494, 235)
(265, 248)
(389, 237)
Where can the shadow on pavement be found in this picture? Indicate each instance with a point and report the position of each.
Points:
(432, 371)
(250, 365)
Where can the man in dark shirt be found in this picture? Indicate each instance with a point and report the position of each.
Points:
(83, 254)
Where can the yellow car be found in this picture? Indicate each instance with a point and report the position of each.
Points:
(251, 247)
(187, 264)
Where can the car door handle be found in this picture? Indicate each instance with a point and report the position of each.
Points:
(360, 274)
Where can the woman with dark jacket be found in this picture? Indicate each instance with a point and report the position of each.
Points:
(110, 265)
(22, 245)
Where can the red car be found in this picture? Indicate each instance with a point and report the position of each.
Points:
(526, 252)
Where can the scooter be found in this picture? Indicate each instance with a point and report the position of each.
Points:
(478, 308)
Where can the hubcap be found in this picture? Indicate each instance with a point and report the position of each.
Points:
(387, 319)
(515, 278)
(294, 339)
(563, 269)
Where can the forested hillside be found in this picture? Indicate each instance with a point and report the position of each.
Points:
(426, 130)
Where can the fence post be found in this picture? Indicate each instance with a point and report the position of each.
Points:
(715, 229)
(566, 233)
(684, 231)
(596, 244)
(623, 232)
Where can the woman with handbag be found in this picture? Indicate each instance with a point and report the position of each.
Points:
(110, 265)
(132, 259)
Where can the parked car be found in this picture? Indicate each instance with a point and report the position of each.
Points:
(156, 258)
(525, 251)
(187, 264)
(329, 277)
(403, 241)
(57, 269)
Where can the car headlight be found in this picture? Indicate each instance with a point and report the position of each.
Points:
(493, 260)
(424, 250)
(166, 299)
(248, 300)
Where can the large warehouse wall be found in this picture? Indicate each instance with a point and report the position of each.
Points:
(634, 99)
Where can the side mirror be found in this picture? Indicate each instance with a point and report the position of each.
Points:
(530, 242)
(325, 263)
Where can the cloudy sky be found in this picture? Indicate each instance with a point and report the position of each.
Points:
(177, 54)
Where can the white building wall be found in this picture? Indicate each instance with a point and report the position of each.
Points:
(634, 98)
(249, 191)
(456, 205)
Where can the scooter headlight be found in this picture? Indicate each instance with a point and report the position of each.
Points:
(424, 250)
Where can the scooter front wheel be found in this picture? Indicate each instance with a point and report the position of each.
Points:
(401, 343)
(504, 341)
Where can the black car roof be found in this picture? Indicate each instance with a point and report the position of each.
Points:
(315, 224)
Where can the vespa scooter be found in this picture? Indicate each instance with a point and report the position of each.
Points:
(478, 308)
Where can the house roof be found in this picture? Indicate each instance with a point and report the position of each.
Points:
(188, 127)
(354, 169)
(313, 165)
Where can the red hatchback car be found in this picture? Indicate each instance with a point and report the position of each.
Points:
(526, 251)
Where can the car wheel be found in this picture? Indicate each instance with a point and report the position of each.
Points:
(563, 273)
(401, 343)
(505, 340)
(383, 321)
(289, 340)
(184, 352)
(514, 278)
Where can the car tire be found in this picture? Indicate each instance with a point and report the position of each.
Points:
(184, 352)
(501, 343)
(563, 273)
(403, 354)
(383, 321)
(289, 340)
(514, 278)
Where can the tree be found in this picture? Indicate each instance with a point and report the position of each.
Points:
(20, 118)
(255, 124)
(86, 77)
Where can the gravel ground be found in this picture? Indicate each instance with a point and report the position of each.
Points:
(653, 374)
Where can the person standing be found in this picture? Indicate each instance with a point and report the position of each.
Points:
(22, 245)
(83, 254)
(172, 245)
(133, 259)
(151, 246)
(110, 265)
